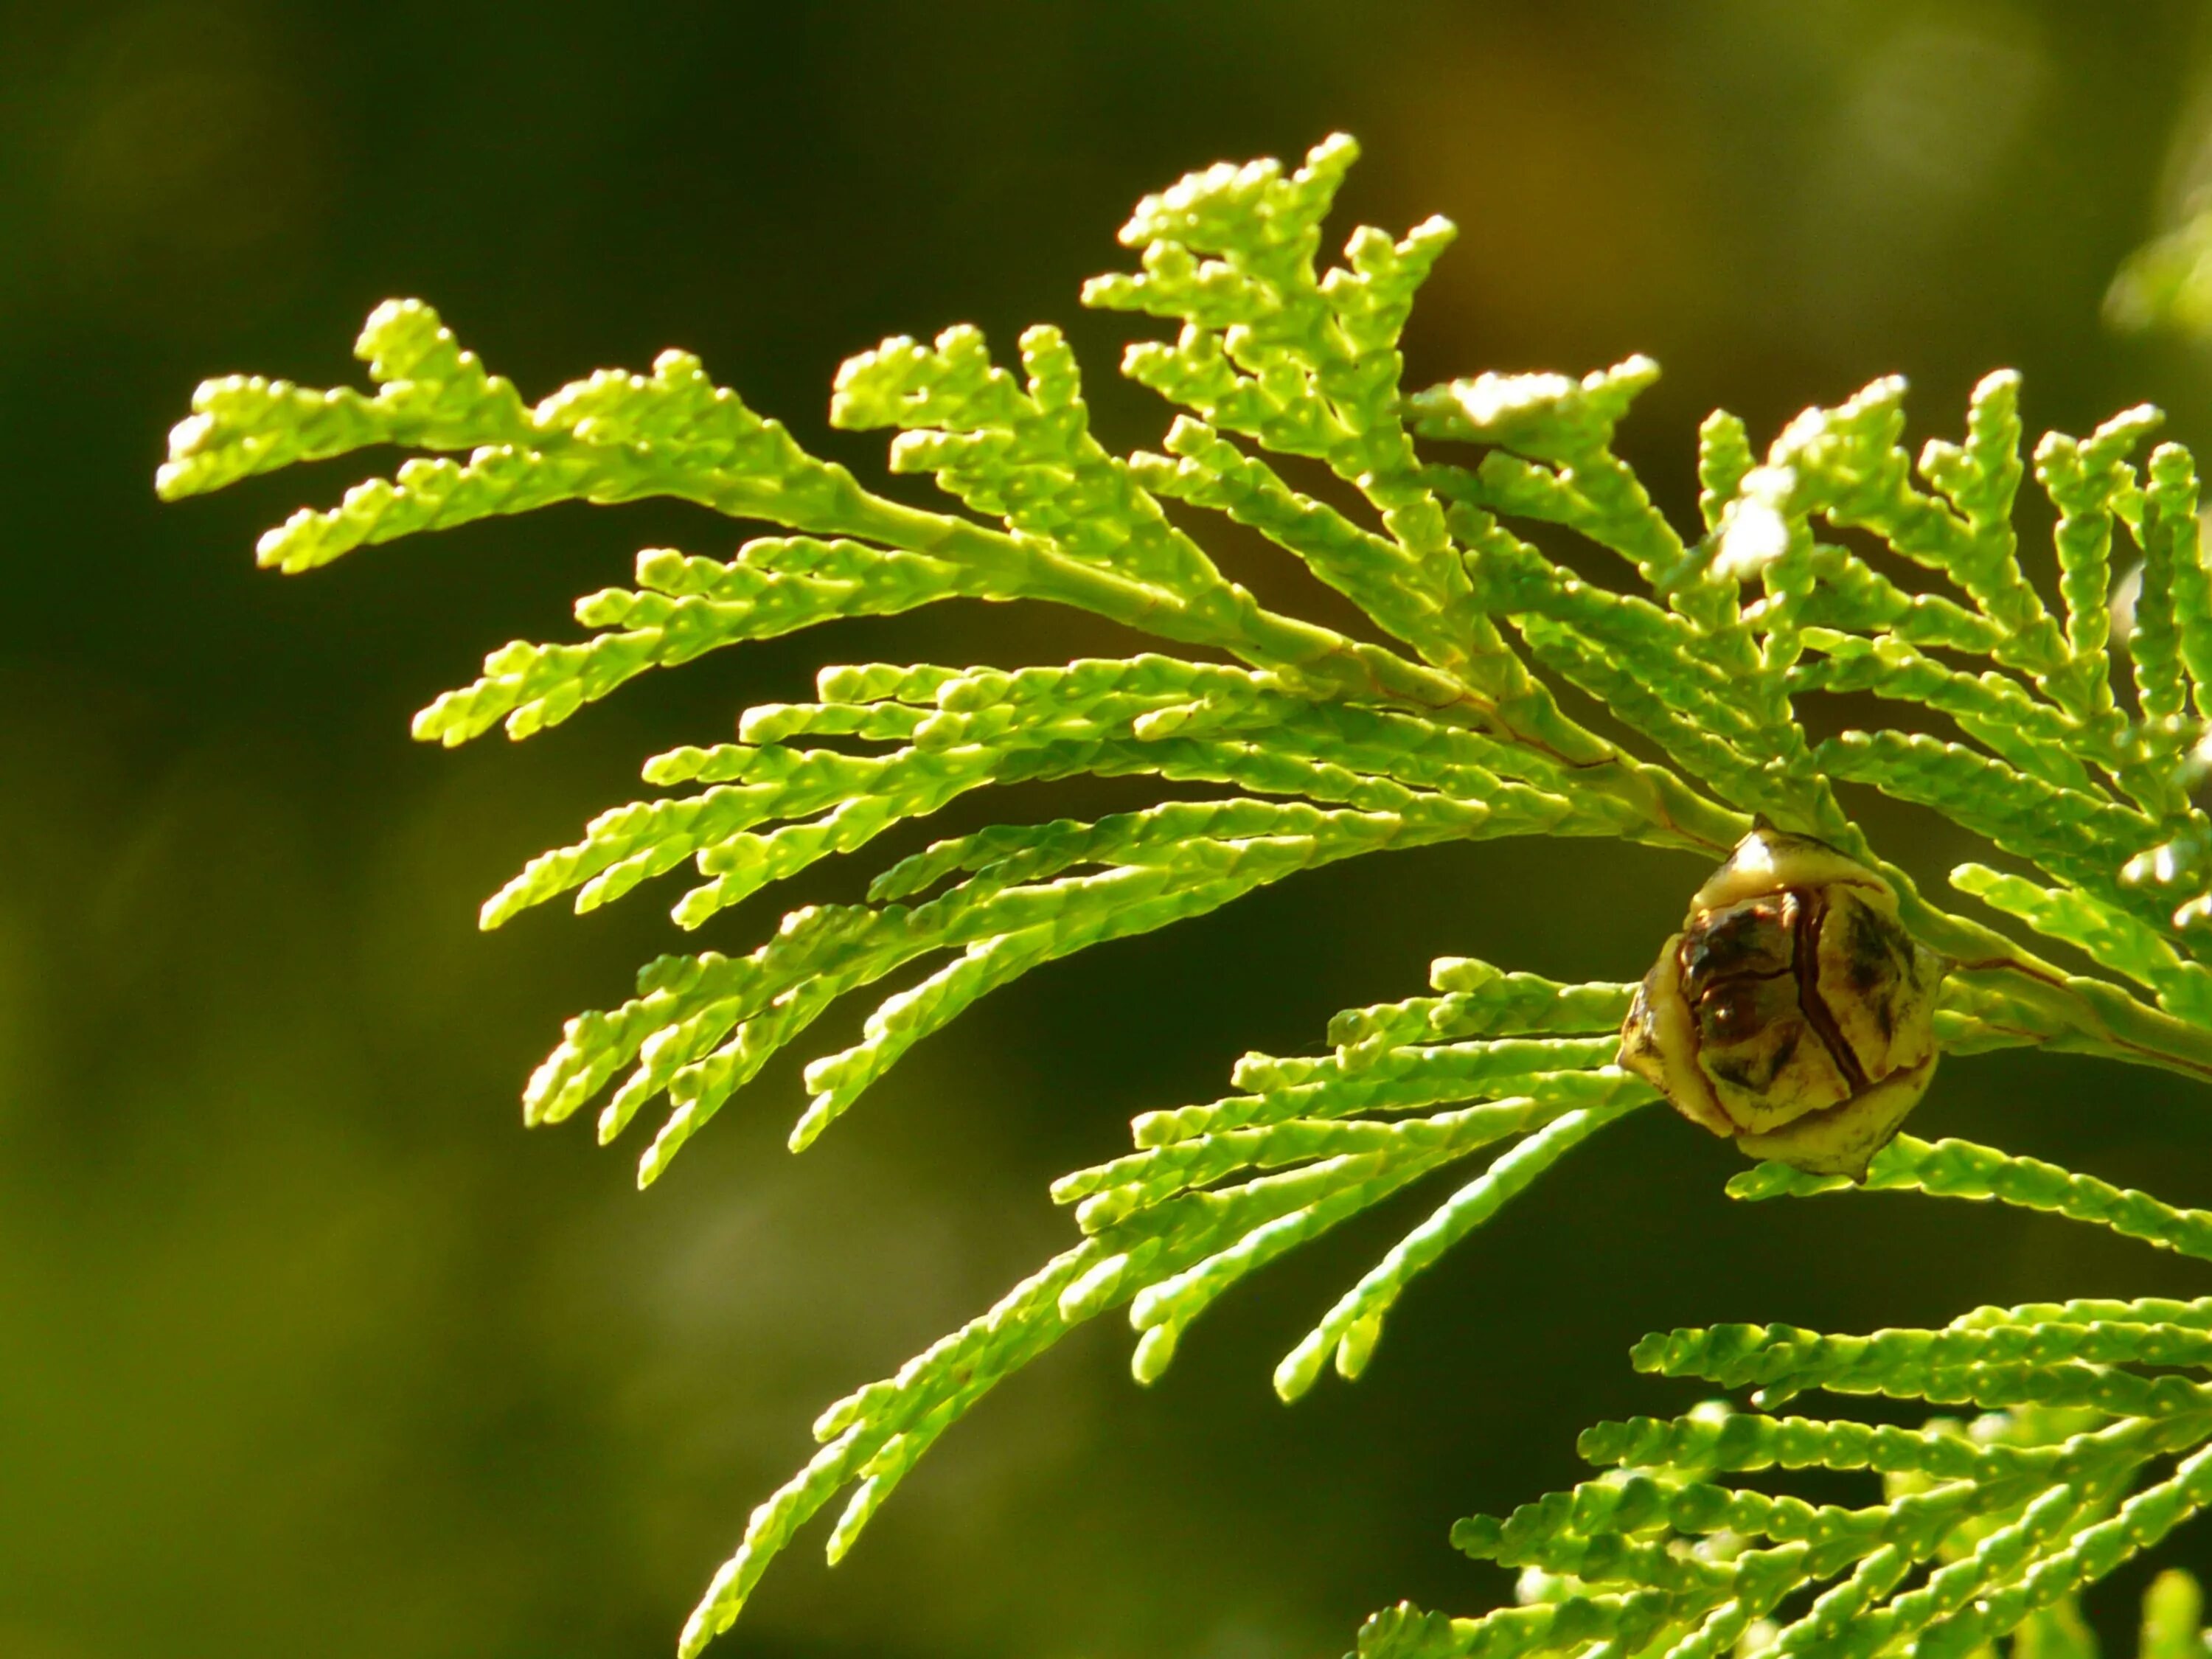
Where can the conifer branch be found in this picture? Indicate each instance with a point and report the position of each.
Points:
(1501, 693)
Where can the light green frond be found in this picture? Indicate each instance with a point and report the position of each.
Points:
(612, 437)
(688, 606)
(2113, 937)
(1478, 1000)
(1444, 715)
(1554, 460)
(2196, 1313)
(2067, 832)
(1979, 480)
(431, 395)
(1304, 363)
(2171, 541)
(2000, 1524)
(1349, 1330)
(1959, 1169)
(1853, 596)
(2169, 548)
(2088, 483)
(1214, 1193)
(1724, 458)
(1400, 590)
(1990, 707)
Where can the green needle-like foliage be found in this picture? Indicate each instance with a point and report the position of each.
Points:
(1496, 693)
(1985, 1530)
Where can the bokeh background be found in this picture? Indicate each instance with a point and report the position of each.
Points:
(306, 1349)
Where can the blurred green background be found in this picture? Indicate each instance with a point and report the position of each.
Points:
(306, 1349)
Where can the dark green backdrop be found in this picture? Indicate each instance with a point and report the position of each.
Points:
(306, 1349)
